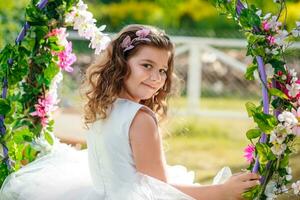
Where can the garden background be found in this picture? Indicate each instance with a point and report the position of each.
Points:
(204, 143)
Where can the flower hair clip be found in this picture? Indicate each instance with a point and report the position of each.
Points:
(142, 34)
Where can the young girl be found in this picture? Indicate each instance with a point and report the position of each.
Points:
(127, 91)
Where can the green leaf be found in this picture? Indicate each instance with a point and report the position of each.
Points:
(29, 153)
(49, 138)
(252, 193)
(28, 43)
(278, 93)
(35, 16)
(251, 108)
(264, 153)
(4, 107)
(22, 135)
(51, 71)
(41, 32)
(278, 65)
(253, 133)
(249, 19)
(284, 162)
(249, 75)
(265, 122)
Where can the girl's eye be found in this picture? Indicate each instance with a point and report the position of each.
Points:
(163, 71)
(147, 66)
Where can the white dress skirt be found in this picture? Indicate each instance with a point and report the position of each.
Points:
(105, 171)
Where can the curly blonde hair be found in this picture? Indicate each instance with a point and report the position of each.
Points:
(104, 80)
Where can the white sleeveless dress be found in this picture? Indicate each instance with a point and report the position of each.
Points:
(105, 171)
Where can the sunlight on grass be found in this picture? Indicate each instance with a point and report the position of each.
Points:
(214, 103)
(205, 145)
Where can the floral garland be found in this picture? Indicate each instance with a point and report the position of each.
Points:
(31, 71)
(273, 139)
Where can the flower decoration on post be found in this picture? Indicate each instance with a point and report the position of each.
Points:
(31, 71)
(277, 118)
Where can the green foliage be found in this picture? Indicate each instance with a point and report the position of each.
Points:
(274, 142)
(29, 76)
(249, 75)
(253, 133)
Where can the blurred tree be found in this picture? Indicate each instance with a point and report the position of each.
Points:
(11, 20)
(181, 17)
(184, 17)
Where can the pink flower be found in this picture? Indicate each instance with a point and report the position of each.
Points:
(54, 32)
(43, 108)
(143, 33)
(126, 43)
(266, 26)
(66, 58)
(271, 39)
(249, 152)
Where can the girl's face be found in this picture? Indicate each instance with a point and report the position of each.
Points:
(148, 73)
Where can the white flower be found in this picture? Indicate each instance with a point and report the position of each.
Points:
(288, 119)
(62, 37)
(279, 139)
(258, 13)
(269, 70)
(293, 72)
(283, 77)
(278, 149)
(288, 170)
(280, 38)
(99, 41)
(274, 24)
(81, 5)
(296, 187)
(298, 24)
(288, 177)
(296, 32)
(54, 85)
(273, 51)
(267, 16)
(84, 22)
(270, 190)
(69, 18)
(293, 89)
(40, 144)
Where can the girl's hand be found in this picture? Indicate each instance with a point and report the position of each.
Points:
(237, 184)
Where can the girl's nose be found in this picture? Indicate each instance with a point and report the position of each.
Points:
(155, 76)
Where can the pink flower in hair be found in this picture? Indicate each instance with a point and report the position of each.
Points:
(126, 43)
(143, 33)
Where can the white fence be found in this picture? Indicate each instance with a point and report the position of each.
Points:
(196, 47)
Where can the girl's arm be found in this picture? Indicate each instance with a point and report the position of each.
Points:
(146, 144)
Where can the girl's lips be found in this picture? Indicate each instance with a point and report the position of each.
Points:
(149, 86)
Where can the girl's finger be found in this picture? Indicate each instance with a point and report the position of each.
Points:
(250, 184)
(249, 176)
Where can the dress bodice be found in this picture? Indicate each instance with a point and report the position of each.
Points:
(110, 157)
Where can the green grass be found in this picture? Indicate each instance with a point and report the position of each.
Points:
(214, 103)
(205, 145)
